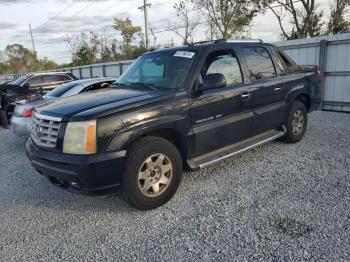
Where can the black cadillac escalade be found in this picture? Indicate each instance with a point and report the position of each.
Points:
(185, 107)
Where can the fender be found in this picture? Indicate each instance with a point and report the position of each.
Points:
(126, 135)
(300, 89)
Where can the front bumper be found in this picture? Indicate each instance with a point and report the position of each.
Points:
(21, 126)
(89, 174)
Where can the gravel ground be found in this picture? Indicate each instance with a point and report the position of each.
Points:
(278, 202)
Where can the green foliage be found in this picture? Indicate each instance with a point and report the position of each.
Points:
(303, 15)
(337, 23)
(128, 33)
(18, 59)
(92, 47)
(229, 17)
(127, 30)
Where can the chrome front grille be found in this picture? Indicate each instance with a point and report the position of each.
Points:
(45, 130)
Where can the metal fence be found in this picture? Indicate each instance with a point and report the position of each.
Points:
(113, 69)
(330, 53)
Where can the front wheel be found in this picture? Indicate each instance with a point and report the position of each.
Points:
(296, 122)
(152, 174)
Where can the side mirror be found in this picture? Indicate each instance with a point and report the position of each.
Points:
(212, 81)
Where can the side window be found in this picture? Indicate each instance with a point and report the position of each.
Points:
(259, 63)
(34, 81)
(66, 78)
(53, 78)
(288, 64)
(226, 64)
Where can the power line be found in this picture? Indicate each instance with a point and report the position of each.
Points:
(78, 12)
(54, 17)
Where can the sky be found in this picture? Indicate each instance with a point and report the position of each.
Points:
(52, 20)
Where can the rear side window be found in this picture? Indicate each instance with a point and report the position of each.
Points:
(227, 65)
(286, 62)
(259, 63)
(54, 78)
(34, 81)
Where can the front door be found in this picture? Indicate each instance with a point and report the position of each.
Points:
(221, 116)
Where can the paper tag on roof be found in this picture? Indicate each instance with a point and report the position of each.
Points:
(185, 54)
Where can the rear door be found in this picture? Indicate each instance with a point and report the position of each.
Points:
(268, 102)
(221, 116)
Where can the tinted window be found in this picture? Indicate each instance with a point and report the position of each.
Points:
(227, 65)
(54, 78)
(259, 63)
(20, 80)
(34, 81)
(285, 62)
(160, 69)
(151, 69)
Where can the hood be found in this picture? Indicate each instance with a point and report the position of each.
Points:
(103, 102)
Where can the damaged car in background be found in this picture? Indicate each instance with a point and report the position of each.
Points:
(28, 87)
(22, 118)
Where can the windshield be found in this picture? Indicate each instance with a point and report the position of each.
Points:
(59, 91)
(20, 80)
(159, 70)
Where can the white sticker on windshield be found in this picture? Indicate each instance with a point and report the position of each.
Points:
(185, 54)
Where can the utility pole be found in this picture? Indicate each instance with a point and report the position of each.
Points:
(31, 35)
(144, 8)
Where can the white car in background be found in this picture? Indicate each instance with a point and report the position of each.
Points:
(22, 118)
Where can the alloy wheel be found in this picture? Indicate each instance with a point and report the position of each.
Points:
(298, 122)
(155, 175)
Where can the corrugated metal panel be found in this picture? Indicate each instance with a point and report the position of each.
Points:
(112, 70)
(97, 71)
(337, 84)
(85, 72)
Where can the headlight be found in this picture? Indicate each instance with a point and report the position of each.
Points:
(80, 138)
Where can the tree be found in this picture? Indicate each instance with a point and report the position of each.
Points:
(129, 33)
(189, 22)
(17, 59)
(229, 17)
(303, 15)
(84, 48)
(337, 23)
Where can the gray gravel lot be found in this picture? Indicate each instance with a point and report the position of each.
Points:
(278, 202)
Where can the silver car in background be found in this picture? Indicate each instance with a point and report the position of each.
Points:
(21, 120)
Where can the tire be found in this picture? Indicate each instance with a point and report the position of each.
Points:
(3, 119)
(296, 122)
(152, 173)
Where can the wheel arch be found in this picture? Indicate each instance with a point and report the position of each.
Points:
(168, 130)
(300, 95)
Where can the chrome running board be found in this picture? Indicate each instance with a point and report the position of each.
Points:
(234, 149)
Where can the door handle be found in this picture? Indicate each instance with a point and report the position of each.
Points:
(277, 89)
(245, 95)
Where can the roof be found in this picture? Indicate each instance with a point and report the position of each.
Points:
(210, 43)
(50, 73)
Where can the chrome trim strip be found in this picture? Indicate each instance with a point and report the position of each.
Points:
(242, 150)
(50, 118)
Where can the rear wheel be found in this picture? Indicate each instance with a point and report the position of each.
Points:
(152, 174)
(3, 119)
(296, 122)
